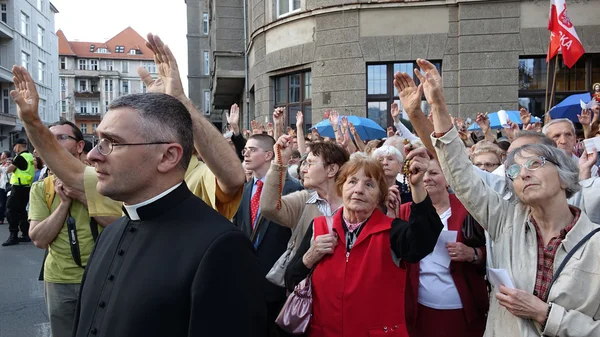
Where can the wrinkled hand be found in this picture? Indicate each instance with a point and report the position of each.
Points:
(300, 120)
(460, 252)
(419, 163)
(59, 190)
(523, 304)
(483, 121)
(511, 129)
(169, 79)
(586, 162)
(525, 116)
(334, 119)
(254, 125)
(270, 129)
(322, 245)
(585, 118)
(233, 118)
(409, 93)
(25, 95)
(431, 81)
(390, 131)
(344, 124)
(74, 194)
(395, 112)
(278, 117)
(352, 129)
(326, 114)
(286, 145)
(393, 201)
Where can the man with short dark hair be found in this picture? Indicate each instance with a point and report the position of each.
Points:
(172, 266)
(23, 170)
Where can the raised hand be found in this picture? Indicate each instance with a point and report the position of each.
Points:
(299, 120)
(334, 119)
(344, 124)
(233, 118)
(326, 114)
(270, 129)
(483, 121)
(461, 125)
(315, 135)
(410, 95)
(419, 163)
(525, 116)
(25, 95)
(288, 130)
(352, 128)
(169, 79)
(395, 112)
(255, 127)
(390, 131)
(285, 144)
(586, 117)
(511, 129)
(278, 116)
(393, 201)
(431, 81)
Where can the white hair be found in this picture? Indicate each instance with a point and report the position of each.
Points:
(387, 150)
(556, 121)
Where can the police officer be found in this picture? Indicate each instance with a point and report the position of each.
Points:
(23, 170)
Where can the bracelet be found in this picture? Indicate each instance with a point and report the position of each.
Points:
(547, 316)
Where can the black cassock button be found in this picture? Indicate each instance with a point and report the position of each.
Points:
(101, 304)
(132, 229)
(111, 277)
(121, 252)
(94, 331)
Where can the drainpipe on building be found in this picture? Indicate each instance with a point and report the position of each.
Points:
(246, 67)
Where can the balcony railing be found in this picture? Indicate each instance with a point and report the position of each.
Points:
(87, 94)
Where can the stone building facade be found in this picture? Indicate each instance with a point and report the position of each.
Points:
(313, 55)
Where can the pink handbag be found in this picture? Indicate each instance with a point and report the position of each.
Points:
(297, 310)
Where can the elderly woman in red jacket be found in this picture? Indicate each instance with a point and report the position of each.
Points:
(453, 296)
(358, 286)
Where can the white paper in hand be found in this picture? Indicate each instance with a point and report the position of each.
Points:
(440, 252)
(592, 144)
(503, 117)
(500, 277)
(588, 106)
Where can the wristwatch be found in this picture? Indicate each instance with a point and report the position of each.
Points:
(476, 257)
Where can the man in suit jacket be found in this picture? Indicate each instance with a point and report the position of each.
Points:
(269, 238)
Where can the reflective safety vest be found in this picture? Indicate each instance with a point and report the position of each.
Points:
(24, 177)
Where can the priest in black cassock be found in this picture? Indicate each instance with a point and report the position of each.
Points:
(172, 266)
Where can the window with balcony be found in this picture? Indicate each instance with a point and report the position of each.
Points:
(206, 63)
(82, 64)
(285, 7)
(94, 65)
(294, 92)
(125, 87)
(207, 102)
(95, 110)
(124, 67)
(4, 12)
(381, 92)
(532, 80)
(94, 86)
(205, 23)
(82, 85)
(150, 67)
(83, 128)
(41, 71)
(40, 36)
(63, 62)
(24, 24)
(83, 107)
(25, 60)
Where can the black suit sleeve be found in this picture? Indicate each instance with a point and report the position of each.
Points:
(227, 296)
(20, 163)
(415, 239)
(296, 270)
(239, 142)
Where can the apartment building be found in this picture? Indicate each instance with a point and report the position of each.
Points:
(92, 74)
(312, 55)
(27, 38)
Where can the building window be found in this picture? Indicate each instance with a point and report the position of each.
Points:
(102, 51)
(105, 106)
(108, 86)
(294, 92)
(94, 65)
(206, 63)
(124, 87)
(94, 86)
(41, 71)
(381, 92)
(124, 67)
(41, 33)
(287, 6)
(150, 67)
(532, 80)
(82, 64)
(42, 109)
(205, 23)
(83, 127)
(64, 106)
(109, 65)
(207, 102)
(4, 12)
(82, 85)
(94, 127)
(63, 62)
(63, 85)
(40, 4)
(95, 109)
(143, 88)
(83, 108)
(25, 60)
(120, 49)
(5, 101)
(24, 24)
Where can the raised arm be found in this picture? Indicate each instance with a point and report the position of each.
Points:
(404, 131)
(210, 144)
(63, 164)
(300, 132)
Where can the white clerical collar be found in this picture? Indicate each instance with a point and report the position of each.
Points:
(132, 210)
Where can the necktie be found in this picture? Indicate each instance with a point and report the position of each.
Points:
(255, 202)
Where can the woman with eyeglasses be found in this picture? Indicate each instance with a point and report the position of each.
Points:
(532, 236)
(487, 156)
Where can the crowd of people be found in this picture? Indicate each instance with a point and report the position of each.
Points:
(167, 227)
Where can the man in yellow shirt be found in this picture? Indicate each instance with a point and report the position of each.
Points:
(219, 181)
(61, 224)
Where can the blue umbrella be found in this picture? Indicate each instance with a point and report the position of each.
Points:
(367, 129)
(570, 107)
(513, 115)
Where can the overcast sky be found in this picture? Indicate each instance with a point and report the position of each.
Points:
(98, 21)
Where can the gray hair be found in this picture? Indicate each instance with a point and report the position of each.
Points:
(556, 121)
(568, 172)
(163, 117)
(540, 138)
(386, 150)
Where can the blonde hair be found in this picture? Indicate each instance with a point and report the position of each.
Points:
(485, 146)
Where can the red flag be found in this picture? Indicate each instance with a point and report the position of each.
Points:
(563, 35)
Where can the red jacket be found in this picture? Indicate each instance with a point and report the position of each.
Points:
(468, 278)
(362, 294)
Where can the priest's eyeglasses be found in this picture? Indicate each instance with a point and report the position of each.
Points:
(105, 146)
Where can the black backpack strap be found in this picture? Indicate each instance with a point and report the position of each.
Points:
(568, 257)
(73, 240)
(94, 228)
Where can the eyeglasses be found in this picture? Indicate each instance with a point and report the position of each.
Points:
(61, 138)
(532, 164)
(105, 146)
(487, 165)
(251, 150)
(311, 163)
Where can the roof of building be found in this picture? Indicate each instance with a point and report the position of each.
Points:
(118, 47)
